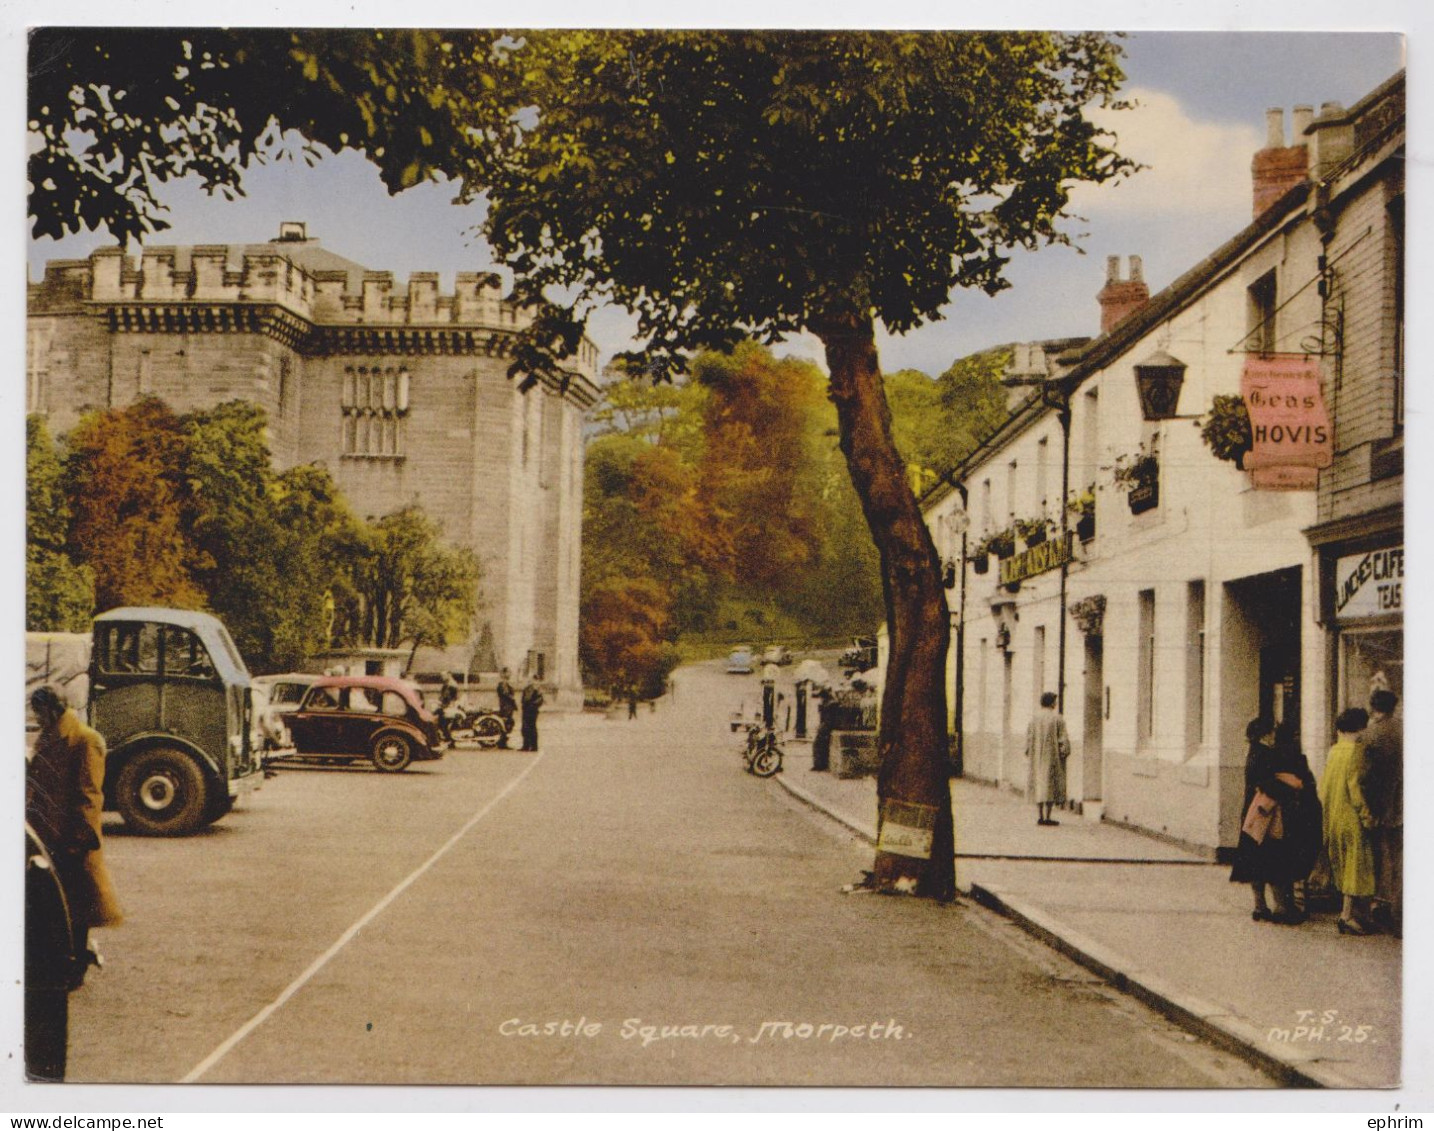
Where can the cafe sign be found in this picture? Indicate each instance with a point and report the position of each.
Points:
(1290, 431)
(1370, 584)
(1040, 559)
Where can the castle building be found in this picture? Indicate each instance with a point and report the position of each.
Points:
(402, 393)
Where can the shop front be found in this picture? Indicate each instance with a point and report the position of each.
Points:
(1362, 605)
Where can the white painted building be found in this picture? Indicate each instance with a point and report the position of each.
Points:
(1195, 604)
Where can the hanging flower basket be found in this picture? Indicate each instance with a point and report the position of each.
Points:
(981, 564)
(1081, 508)
(1138, 475)
(1226, 430)
(1031, 531)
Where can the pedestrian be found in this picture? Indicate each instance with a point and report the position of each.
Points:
(447, 701)
(1047, 748)
(507, 706)
(1281, 834)
(632, 703)
(1347, 821)
(1383, 788)
(532, 700)
(769, 695)
(64, 800)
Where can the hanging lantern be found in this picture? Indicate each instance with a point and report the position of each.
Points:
(1158, 379)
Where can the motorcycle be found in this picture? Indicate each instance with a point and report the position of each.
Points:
(763, 753)
(480, 727)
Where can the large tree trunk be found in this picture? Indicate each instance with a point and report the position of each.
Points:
(916, 844)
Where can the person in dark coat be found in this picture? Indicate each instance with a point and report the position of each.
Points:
(1383, 787)
(532, 699)
(64, 801)
(1281, 833)
(507, 706)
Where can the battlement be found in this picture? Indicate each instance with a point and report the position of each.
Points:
(297, 276)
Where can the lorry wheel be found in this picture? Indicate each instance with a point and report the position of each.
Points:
(161, 792)
(391, 752)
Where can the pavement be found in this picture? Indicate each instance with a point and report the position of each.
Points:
(1305, 1003)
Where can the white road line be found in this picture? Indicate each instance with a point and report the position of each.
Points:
(319, 963)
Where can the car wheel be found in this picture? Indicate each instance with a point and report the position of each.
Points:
(392, 752)
(488, 731)
(162, 792)
(767, 763)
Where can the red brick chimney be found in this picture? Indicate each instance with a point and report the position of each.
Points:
(1279, 167)
(1121, 297)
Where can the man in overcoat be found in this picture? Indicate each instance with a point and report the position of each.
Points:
(1047, 748)
(64, 799)
(507, 706)
(532, 699)
(1383, 787)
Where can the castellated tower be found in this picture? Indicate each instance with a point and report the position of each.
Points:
(399, 390)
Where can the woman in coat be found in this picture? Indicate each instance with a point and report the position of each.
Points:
(1047, 748)
(1348, 820)
(1281, 834)
(64, 799)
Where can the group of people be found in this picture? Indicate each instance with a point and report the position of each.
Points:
(1352, 820)
(1355, 817)
(529, 701)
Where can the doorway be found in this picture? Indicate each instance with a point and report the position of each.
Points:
(1093, 740)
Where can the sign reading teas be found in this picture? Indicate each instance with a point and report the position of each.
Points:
(1289, 426)
(1369, 585)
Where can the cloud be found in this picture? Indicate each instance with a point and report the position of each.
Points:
(1192, 167)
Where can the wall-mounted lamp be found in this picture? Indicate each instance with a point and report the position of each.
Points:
(1157, 380)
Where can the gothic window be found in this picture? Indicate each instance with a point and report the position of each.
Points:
(374, 407)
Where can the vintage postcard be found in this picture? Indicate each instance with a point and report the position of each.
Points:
(784, 558)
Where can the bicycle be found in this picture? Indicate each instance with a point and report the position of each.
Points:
(763, 753)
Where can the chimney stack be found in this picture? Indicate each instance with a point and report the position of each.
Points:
(1120, 298)
(1279, 167)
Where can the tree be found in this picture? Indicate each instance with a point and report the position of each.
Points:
(124, 477)
(410, 587)
(715, 184)
(59, 595)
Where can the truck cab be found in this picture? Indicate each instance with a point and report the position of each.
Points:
(170, 694)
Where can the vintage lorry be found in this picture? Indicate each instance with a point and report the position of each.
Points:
(170, 693)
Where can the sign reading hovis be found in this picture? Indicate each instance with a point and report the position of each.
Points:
(1289, 425)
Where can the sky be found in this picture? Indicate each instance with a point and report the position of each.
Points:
(1199, 117)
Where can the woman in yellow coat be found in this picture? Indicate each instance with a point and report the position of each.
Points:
(64, 799)
(1347, 820)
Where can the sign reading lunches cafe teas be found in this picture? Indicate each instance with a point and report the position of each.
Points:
(1370, 584)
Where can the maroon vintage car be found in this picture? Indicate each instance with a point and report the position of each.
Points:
(364, 716)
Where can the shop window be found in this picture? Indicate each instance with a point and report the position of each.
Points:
(1145, 674)
(1262, 295)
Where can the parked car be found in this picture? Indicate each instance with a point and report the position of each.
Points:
(860, 657)
(281, 696)
(740, 662)
(777, 654)
(364, 716)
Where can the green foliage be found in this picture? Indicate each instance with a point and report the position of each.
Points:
(410, 587)
(1226, 429)
(152, 508)
(59, 596)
